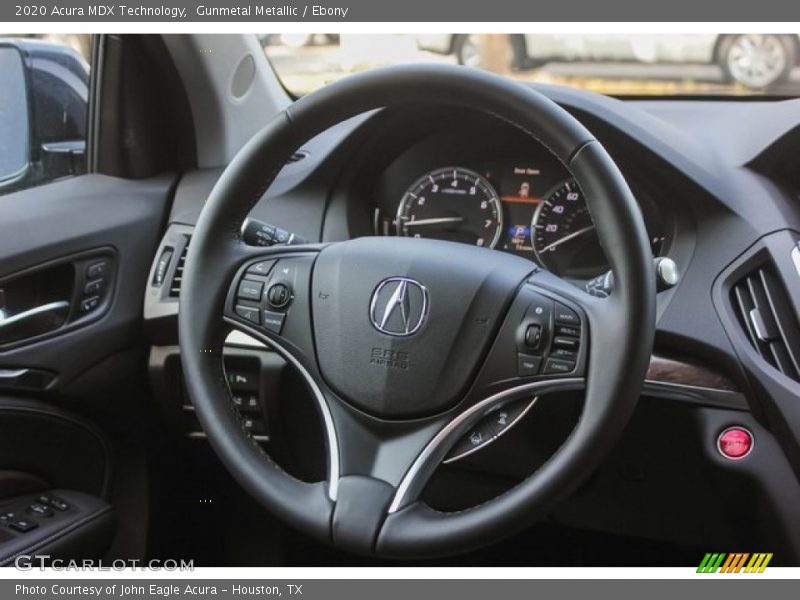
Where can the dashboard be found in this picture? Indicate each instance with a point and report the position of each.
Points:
(723, 206)
(502, 190)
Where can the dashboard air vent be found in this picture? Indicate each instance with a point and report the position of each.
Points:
(177, 278)
(765, 313)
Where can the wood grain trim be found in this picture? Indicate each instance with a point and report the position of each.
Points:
(681, 371)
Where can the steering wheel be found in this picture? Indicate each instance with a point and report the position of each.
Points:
(406, 344)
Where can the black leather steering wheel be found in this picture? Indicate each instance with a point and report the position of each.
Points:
(407, 343)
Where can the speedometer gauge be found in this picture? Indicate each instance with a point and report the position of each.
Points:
(453, 204)
(563, 233)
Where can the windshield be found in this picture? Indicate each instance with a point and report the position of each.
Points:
(614, 64)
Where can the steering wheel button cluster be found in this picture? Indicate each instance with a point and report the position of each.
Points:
(548, 338)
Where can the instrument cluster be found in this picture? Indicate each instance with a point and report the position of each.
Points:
(530, 206)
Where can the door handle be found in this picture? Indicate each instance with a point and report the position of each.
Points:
(25, 379)
(12, 373)
(33, 312)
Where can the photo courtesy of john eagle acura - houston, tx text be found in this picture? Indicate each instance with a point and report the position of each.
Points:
(350, 299)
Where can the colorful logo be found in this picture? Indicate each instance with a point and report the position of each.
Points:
(737, 562)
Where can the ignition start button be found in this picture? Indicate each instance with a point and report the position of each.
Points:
(735, 443)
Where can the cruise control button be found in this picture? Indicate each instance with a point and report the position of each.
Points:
(563, 353)
(528, 365)
(261, 268)
(567, 343)
(568, 330)
(273, 321)
(250, 290)
(555, 366)
(249, 313)
(566, 315)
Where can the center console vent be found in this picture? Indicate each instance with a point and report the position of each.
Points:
(764, 312)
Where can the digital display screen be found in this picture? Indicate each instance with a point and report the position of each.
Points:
(521, 188)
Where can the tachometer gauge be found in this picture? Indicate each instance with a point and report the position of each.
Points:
(563, 234)
(453, 204)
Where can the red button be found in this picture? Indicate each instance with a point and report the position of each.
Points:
(735, 442)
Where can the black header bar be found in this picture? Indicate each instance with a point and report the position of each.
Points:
(438, 11)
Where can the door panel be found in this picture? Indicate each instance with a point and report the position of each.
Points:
(85, 244)
(89, 218)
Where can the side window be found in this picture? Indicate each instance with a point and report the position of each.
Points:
(43, 109)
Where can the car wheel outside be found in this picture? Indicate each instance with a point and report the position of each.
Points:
(467, 49)
(757, 61)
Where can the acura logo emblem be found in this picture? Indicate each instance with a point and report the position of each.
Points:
(399, 306)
